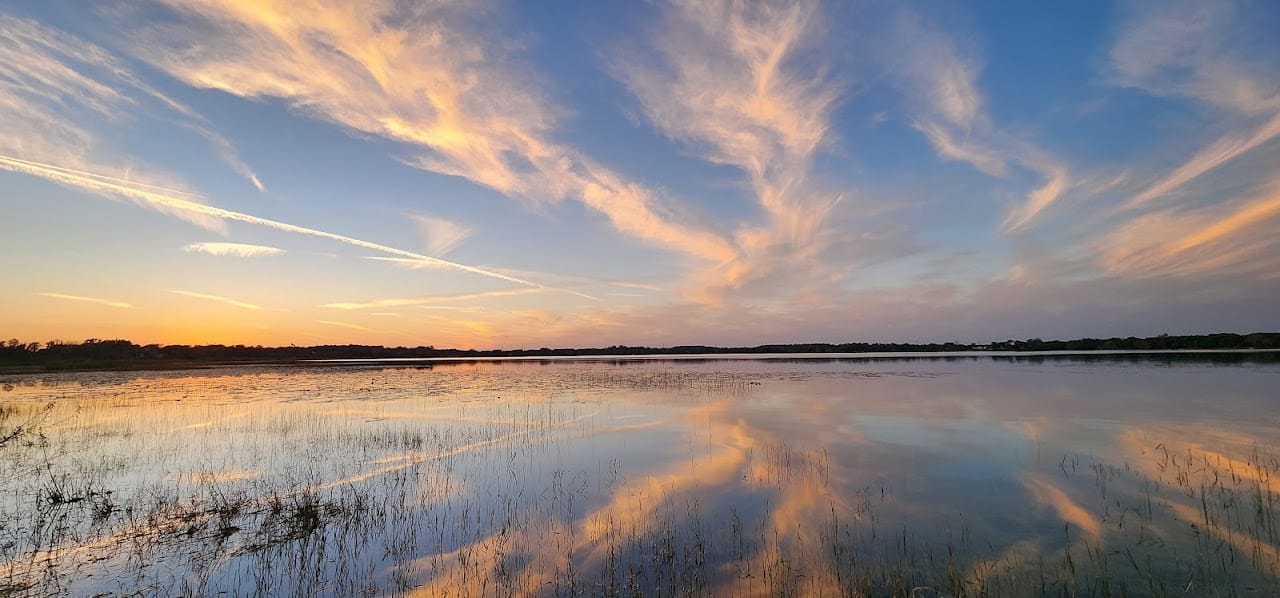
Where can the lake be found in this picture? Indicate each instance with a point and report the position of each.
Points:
(918, 475)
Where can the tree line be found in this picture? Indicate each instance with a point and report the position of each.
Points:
(123, 353)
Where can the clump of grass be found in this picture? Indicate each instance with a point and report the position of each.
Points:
(28, 426)
(14, 589)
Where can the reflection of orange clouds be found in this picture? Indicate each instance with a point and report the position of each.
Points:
(635, 504)
(1212, 452)
(1021, 553)
(794, 538)
(1262, 550)
(743, 453)
(218, 476)
(425, 416)
(482, 568)
(755, 450)
(147, 415)
(412, 458)
(1048, 494)
(1218, 470)
(630, 513)
(1033, 429)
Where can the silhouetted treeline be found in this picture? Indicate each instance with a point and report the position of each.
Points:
(1164, 342)
(95, 353)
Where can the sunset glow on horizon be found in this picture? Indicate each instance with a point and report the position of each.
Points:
(494, 174)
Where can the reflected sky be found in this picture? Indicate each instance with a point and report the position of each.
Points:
(749, 476)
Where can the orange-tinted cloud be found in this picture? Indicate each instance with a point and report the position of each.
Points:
(1231, 236)
(416, 75)
(724, 80)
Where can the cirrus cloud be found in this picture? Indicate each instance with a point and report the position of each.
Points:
(233, 249)
(419, 75)
(83, 299)
(218, 299)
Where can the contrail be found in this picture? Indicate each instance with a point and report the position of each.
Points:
(100, 183)
(422, 301)
(218, 298)
(120, 304)
(345, 325)
(99, 176)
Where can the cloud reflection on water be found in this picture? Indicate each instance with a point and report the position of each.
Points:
(750, 477)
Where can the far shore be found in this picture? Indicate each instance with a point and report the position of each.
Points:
(161, 364)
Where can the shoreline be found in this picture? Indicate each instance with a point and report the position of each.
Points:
(146, 365)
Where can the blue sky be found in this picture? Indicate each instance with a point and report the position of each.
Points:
(501, 174)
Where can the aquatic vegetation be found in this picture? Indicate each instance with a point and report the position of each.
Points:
(911, 478)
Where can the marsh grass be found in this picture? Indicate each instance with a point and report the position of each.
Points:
(652, 484)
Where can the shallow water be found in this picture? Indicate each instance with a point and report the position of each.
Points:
(925, 475)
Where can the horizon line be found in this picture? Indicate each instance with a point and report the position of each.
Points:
(989, 343)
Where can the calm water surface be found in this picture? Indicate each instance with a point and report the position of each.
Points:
(920, 476)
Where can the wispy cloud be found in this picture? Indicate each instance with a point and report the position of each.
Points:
(940, 79)
(1040, 198)
(378, 303)
(984, 159)
(1189, 49)
(57, 90)
(217, 298)
(562, 282)
(726, 79)
(579, 280)
(566, 282)
(1192, 49)
(404, 262)
(939, 75)
(346, 325)
(644, 286)
(107, 302)
(419, 75)
(442, 235)
(727, 83)
(180, 205)
(94, 176)
(1237, 236)
(45, 99)
(428, 300)
(1170, 227)
(233, 249)
(1212, 156)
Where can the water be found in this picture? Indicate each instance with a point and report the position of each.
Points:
(918, 476)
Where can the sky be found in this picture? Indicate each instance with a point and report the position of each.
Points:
(499, 174)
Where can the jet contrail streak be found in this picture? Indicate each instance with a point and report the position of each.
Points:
(99, 176)
(100, 183)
